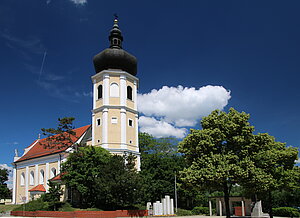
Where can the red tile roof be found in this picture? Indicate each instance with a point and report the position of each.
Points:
(58, 177)
(39, 150)
(38, 188)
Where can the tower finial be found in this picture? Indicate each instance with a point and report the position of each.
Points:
(115, 36)
(116, 18)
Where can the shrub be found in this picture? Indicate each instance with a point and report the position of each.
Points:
(34, 205)
(200, 211)
(286, 212)
(183, 212)
(66, 207)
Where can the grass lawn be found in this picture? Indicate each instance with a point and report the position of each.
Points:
(4, 208)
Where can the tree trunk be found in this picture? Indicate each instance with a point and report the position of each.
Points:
(226, 199)
(270, 205)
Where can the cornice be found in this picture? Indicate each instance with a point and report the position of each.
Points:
(104, 107)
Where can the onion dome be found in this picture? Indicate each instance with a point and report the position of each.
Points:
(115, 57)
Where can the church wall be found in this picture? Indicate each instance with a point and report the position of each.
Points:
(114, 130)
(35, 165)
(114, 100)
(98, 129)
(21, 188)
(130, 131)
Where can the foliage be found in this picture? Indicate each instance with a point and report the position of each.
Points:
(286, 212)
(183, 212)
(53, 196)
(159, 163)
(226, 152)
(34, 205)
(61, 137)
(202, 211)
(5, 208)
(214, 152)
(4, 191)
(102, 180)
(66, 207)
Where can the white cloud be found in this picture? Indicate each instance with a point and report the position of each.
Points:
(298, 161)
(79, 2)
(10, 176)
(160, 128)
(183, 106)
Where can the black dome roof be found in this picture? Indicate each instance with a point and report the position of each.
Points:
(115, 57)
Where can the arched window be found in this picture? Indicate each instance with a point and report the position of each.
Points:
(99, 91)
(42, 174)
(129, 92)
(22, 180)
(31, 178)
(53, 172)
(114, 90)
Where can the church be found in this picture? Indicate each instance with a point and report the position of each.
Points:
(114, 123)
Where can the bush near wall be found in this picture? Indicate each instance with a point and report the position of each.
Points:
(202, 211)
(286, 212)
(183, 212)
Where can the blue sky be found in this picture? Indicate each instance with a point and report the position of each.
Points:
(243, 54)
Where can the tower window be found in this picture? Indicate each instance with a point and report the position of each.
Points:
(130, 122)
(98, 122)
(114, 90)
(99, 91)
(114, 120)
(129, 92)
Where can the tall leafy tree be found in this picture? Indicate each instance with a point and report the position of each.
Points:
(226, 152)
(159, 164)
(213, 153)
(4, 191)
(272, 168)
(101, 180)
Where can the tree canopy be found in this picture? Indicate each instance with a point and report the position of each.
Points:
(61, 136)
(4, 191)
(100, 179)
(226, 152)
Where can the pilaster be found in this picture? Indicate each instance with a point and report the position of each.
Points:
(36, 175)
(14, 185)
(123, 90)
(26, 183)
(106, 89)
(123, 128)
(105, 128)
(47, 176)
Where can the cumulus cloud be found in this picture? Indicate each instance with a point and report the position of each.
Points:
(183, 106)
(160, 128)
(79, 2)
(10, 177)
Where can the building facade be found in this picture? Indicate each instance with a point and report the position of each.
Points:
(114, 123)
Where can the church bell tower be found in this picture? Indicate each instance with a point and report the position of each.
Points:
(114, 114)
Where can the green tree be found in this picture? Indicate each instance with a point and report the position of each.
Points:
(272, 168)
(213, 153)
(160, 161)
(61, 137)
(102, 180)
(226, 152)
(53, 195)
(4, 191)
